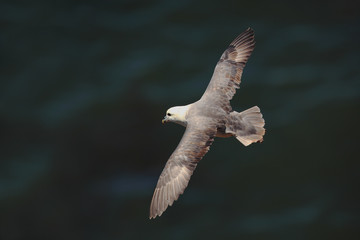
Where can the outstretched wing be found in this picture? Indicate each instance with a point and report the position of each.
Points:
(174, 178)
(227, 74)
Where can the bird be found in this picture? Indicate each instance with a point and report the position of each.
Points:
(211, 116)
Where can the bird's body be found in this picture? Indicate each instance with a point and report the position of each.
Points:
(210, 117)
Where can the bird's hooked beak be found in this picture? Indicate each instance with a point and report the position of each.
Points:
(165, 120)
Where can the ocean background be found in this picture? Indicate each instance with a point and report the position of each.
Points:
(84, 86)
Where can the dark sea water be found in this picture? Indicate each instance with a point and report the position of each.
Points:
(84, 86)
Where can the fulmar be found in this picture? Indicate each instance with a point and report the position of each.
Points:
(209, 117)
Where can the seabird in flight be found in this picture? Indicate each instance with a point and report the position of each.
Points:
(209, 117)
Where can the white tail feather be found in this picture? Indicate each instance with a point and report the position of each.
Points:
(247, 126)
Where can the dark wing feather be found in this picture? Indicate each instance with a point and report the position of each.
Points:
(177, 172)
(227, 74)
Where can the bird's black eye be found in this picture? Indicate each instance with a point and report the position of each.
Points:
(169, 114)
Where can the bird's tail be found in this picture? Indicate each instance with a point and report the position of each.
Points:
(247, 126)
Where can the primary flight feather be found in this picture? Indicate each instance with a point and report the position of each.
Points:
(210, 117)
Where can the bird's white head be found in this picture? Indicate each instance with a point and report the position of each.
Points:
(177, 115)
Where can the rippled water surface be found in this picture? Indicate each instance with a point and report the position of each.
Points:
(84, 86)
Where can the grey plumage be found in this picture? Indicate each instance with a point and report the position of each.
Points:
(210, 117)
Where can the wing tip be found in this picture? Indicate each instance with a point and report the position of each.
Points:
(249, 29)
(153, 216)
(155, 211)
(245, 39)
(160, 202)
(241, 48)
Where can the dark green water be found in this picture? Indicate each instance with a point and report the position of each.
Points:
(84, 86)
